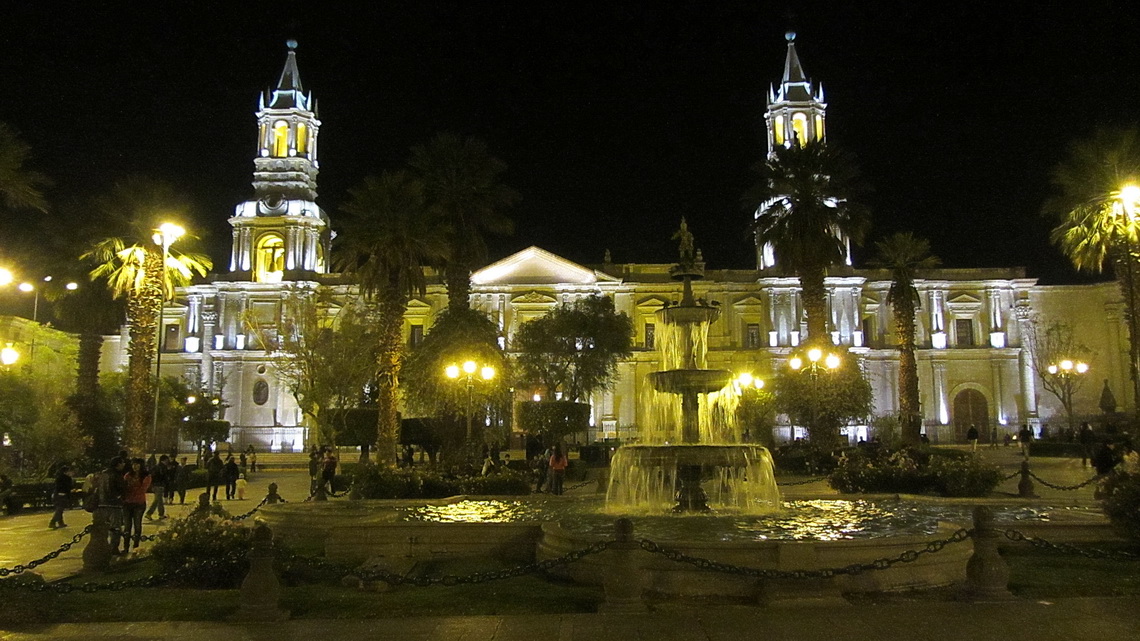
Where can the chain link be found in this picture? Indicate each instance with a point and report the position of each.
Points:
(1012, 476)
(250, 513)
(1065, 548)
(908, 556)
(31, 565)
(1066, 487)
(153, 580)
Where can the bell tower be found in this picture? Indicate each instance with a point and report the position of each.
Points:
(796, 111)
(281, 233)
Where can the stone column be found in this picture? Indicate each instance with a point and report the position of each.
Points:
(987, 574)
(623, 579)
(260, 591)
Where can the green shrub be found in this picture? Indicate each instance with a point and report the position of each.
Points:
(1122, 504)
(914, 471)
(207, 550)
(508, 483)
(376, 482)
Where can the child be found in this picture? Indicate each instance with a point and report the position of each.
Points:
(241, 485)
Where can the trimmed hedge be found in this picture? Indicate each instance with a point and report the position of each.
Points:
(914, 471)
(385, 483)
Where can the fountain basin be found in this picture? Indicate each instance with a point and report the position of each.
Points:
(650, 478)
(688, 314)
(686, 381)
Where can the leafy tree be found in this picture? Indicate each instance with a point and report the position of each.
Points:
(134, 267)
(20, 187)
(904, 255)
(1049, 343)
(553, 420)
(756, 414)
(824, 401)
(1095, 226)
(390, 233)
(804, 197)
(457, 335)
(325, 356)
(574, 349)
(462, 186)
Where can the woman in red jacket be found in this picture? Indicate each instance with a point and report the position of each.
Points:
(558, 464)
(134, 503)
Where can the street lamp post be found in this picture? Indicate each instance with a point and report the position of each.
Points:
(164, 236)
(816, 364)
(1065, 374)
(468, 370)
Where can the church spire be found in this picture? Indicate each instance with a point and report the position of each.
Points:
(281, 233)
(796, 111)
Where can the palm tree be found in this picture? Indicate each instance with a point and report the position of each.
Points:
(20, 187)
(1095, 225)
(462, 185)
(805, 209)
(389, 234)
(133, 266)
(904, 254)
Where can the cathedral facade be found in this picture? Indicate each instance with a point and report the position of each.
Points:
(975, 363)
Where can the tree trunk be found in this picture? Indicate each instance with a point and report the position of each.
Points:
(910, 413)
(1127, 273)
(814, 297)
(458, 277)
(391, 309)
(143, 307)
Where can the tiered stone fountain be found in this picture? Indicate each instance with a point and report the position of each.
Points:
(692, 458)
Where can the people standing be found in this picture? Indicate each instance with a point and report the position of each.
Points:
(230, 473)
(111, 487)
(1087, 438)
(241, 485)
(214, 475)
(61, 496)
(138, 481)
(993, 437)
(314, 470)
(539, 465)
(252, 460)
(558, 464)
(172, 468)
(328, 472)
(1023, 438)
(972, 437)
(160, 477)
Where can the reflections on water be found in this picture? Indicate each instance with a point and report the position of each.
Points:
(820, 520)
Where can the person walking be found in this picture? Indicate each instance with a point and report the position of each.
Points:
(138, 481)
(61, 496)
(1023, 438)
(1087, 439)
(993, 437)
(181, 481)
(159, 478)
(171, 479)
(558, 464)
(230, 473)
(972, 437)
(214, 475)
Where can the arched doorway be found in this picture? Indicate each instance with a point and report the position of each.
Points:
(970, 408)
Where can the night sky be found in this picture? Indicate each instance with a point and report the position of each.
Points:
(615, 119)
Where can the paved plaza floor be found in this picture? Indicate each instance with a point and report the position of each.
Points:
(26, 536)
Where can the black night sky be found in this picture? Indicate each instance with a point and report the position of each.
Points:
(615, 118)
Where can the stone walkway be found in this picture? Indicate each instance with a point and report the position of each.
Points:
(1069, 620)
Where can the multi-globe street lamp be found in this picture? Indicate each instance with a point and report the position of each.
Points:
(1066, 375)
(165, 236)
(467, 372)
(817, 363)
(28, 287)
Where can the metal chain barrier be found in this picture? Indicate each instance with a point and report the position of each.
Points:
(391, 578)
(1065, 548)
(1066, 487)
(579, 485)
(31, 565)
(908, 556)
(804, 482)
(141, 582)
(250, 513)
(1012, 476)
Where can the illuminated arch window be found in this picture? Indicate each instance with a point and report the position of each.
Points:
(280, 139)
(779, 130)
(799, 125)
(302, 138)
(818, 127)
(270, 266)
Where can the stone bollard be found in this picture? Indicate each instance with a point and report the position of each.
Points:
(203, 504)
(354, 493)
(97, 554)
(272, 497)
(319, 494)
(260, 591)
(623, 579)
(1025, 485)
(987, 574)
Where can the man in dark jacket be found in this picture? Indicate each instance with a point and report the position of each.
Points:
(182, 481)
(160, 479)
(214, 468)
(61, 497)
(230, 473)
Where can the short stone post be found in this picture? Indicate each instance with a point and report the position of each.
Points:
(319, 494)
(1025, 485)
(97, 553)
(260, 591)
(354, 493)
(272, 497)
(623, 580)
(987, 574)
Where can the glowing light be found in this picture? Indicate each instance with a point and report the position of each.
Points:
(1052, 369)
(1082, 368)
(452, 371)
(796, 362)
(537, 397)
(167, 233)
(71, 286)
(9, 355)
(6, 277)
(487, 373)
(1066, 364)
(938, 340)
(191, 399)
(26, 287)
(832, 361)
(745, 379)
(758, 383)
(814, 354)
(470, 367)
